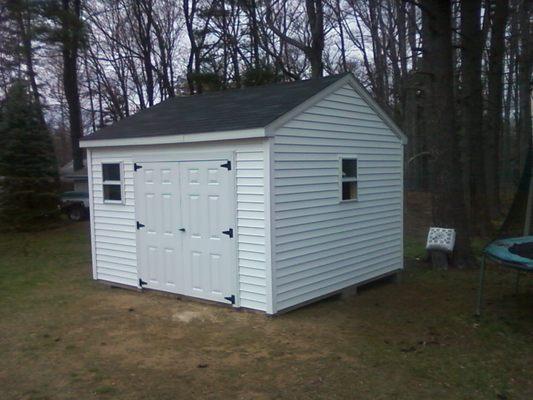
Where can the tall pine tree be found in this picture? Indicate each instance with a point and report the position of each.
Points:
(28, 168)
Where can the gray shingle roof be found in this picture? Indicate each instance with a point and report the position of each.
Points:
(251, 107)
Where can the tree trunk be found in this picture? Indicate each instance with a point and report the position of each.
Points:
(448, 208)
(508, 170)
(412, 29)
(189, 14)
(472, 111)
(339, 21)
(315, 15)
(495, 105)
(143, 14)
(314, 47)
(378, 53)
(90, 90)
(27, 49)
(71, 32)
(524, 80)
(401, 11)
(167, 86)
(254, 31)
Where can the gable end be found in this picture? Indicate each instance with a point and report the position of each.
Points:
(350, 80)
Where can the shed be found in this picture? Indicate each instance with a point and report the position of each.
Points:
(265, 197)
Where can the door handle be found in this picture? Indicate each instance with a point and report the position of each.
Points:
(182, 229)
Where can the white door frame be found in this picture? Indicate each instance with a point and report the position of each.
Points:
(201, 156)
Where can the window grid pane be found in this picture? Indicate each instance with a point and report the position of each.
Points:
(112, 192)
(349, 190)
(111, 172)
(349, 168)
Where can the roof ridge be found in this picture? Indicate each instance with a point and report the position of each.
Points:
(268, 85)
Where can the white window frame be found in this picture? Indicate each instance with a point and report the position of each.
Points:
(120, 182)
(351, 179)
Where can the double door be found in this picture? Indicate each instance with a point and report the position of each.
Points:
(185, 220)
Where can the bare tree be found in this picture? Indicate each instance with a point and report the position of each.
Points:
(524, 79)
(312, 44)
(23, 14)
(197, 30)
(448, 206)
(494, 115)
(68, 33)
(472, 108)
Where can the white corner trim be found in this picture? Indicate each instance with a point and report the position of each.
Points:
(169, 139)
(89, 163)
(270, 259)
(402, 215)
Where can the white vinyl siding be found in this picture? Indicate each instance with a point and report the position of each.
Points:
(251, 228)
(322, 245)
(114, 226)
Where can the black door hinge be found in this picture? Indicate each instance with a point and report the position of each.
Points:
(231, 299)
(142, 283)
(136, 166)
(229, 232)
(139, 225)
(227, 165)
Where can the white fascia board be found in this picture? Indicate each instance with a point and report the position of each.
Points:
(169, 139)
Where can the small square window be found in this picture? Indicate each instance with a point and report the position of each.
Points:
(348, 189)
(112, 182)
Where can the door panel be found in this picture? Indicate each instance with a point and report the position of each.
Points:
(159, 241)
(207, 210)
(198, 197)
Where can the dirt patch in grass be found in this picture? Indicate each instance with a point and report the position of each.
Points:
(64, 336)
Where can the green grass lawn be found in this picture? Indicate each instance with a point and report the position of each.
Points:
(64, 336)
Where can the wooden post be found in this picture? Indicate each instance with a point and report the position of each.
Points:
(439, 259)
(529, 206)
(480, 289)
(527, 221)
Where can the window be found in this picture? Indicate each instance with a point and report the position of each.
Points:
(348, 179)
(112, 183)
